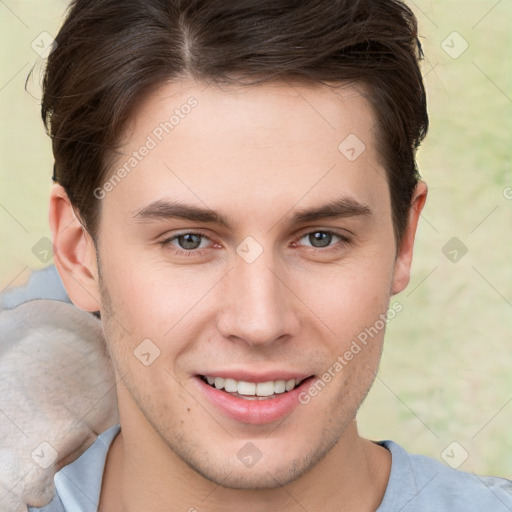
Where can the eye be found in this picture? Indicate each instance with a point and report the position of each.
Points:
(186, 243)
(320, 239)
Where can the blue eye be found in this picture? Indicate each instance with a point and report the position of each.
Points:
(186, 243)
(320, 239)
(189, 241)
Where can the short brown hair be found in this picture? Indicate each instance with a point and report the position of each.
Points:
(111, 53)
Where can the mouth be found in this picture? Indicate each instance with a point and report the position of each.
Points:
(251, 402)
(252, 390)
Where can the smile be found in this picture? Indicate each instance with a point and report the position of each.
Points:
(252, 390)
(258, 402)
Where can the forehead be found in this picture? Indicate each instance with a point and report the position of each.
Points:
(250, 146)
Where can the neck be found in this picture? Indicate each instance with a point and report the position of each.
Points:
(142, 473)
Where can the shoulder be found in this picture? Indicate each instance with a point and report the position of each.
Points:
(418, 483)
(42, 284)
(78, 485)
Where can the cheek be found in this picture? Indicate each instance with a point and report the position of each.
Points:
(152, 308)
(348, 296)
(149, 298)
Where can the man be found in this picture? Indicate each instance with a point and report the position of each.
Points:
(237, 195)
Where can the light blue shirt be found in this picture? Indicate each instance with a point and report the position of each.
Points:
(416, 484)
(42, 284)
(78, 485)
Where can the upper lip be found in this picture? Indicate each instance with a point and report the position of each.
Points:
(252, 376)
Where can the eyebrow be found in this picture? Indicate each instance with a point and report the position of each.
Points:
(164, 209)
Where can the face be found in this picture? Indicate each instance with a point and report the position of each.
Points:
(249, 245)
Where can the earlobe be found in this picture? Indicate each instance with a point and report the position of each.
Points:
(403, 260)
(74, 252)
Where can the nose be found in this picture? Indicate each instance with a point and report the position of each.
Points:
(258, 307)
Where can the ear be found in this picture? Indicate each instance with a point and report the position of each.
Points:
(74, 252)
(402, 270)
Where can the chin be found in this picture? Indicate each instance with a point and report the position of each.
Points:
(252, 479)
(270, 471)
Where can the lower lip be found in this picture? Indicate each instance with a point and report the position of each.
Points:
(254, 412)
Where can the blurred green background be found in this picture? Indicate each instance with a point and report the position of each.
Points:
(446, 373)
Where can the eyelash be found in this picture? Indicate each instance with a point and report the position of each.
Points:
(344, 240)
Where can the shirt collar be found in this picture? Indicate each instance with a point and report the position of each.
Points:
(79, 484)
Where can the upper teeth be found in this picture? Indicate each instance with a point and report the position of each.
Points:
(252, 388)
